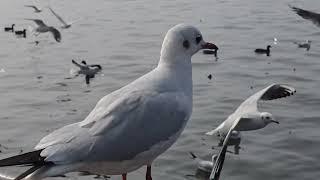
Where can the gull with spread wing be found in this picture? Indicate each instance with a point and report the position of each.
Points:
(65, 24)
(128, 128)
(43, 28)
(246, 118)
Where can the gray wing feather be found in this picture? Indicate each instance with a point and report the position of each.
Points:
(58, 17)
(39, 22)
(274, 91)
(56, 34)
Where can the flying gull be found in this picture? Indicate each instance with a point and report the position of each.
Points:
(128, 128)
(246, 118)
(309, 15)
(88, 70)
(43, 28)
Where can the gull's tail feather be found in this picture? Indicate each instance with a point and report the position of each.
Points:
(27, 159)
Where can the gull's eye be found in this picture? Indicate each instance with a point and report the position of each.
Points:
(267, 117)
(198, 39)
(186, 44)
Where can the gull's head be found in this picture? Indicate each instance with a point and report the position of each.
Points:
(267, 118)
(182, 41)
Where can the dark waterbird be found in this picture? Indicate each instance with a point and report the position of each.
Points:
(9, 28)
(263, 51)
(21, 33)
(309, 15)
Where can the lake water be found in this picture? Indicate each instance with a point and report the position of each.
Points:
(125, 37)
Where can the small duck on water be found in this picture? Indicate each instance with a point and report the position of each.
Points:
(9, 28)
(263, 51)
(21, 33)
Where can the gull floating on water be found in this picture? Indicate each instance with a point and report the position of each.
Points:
(247, 118)
(43, 28)
(204, 165)
(128, 128)
(306, 45)
(309, 15)
(65, 24)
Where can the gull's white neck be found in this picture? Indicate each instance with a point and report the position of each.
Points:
(178, 61)
(180, 71)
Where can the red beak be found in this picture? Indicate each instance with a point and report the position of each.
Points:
(208, 45)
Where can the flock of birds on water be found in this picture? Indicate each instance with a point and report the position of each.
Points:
(89, 71)
(246, 117)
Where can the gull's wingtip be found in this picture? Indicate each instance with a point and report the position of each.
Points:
(211, 133)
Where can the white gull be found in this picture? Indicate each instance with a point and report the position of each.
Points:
(130, 127)
(246, 118)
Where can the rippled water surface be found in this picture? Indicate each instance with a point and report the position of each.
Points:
(125, 37)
